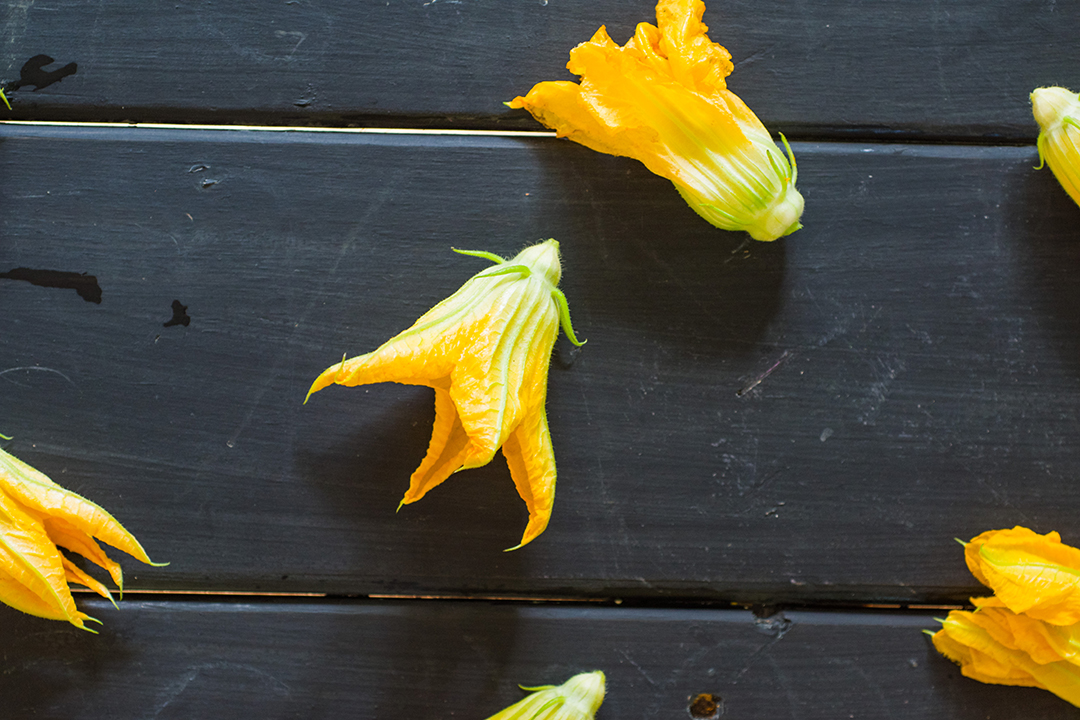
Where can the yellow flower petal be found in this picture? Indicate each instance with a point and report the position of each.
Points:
(36, 515)
(1033, 574)
(75, 575)
(965, 639)
(576, 699)
(1057, 111)
(1043, 642)
(33, 569)
(36, 491)
(531, 459)
(485, 350)
(662, 99)
(1017, 632)
(979, 666)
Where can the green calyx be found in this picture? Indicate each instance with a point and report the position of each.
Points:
(546, 266)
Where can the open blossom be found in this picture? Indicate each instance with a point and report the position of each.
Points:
(1057, 111)
(576, 699)
(36, 516)
(485, 350)
(1033, 574)
(662, 99)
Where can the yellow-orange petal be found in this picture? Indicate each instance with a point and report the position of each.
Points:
(1045, 643)
(1018, 632)
(695, 60)
(74, 574)
(447, 450)
(36, 491)
(531, 459)
(1030, 573)
(990, 661)
(485, 351)
(32, 575)
(979, 666)
(663, 100)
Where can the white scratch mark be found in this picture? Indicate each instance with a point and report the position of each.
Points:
(181, 685)
(777, 626)
(39, 369)
(292, 34)
(638, 667)
(879, 390)
(15, 28)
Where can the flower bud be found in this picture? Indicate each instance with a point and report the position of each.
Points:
(1057, 111)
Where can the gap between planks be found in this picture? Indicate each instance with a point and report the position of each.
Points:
(283, 128)
(655, 603)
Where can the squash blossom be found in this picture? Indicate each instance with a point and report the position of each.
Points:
(1043, 642)
(1033, 574)
(576, 699)
(485, 350)
(1058, 113)
(972, 640)
(662, 99)
(36, 516)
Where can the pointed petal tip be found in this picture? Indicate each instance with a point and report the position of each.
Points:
(327, 377)
(79, 622)
(533, 530)
(321, 382)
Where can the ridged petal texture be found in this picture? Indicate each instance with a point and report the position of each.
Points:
(36, 516)
(1033, 574)
(1027, 633)
(974, 640)
(662, 99)
(485, 350)
(1057, 111)
(576, 699)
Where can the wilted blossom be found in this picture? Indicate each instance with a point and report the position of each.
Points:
(662, 99)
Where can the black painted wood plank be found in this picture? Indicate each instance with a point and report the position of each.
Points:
(813, 419)
(440, 659)
(908, 68)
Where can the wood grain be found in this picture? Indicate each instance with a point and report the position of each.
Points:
(908, 69)
(813, 419)
(187, 659)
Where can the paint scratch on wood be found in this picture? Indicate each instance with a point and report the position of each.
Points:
(37, 368)
(757, 381)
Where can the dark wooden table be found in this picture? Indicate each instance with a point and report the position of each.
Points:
(776, 538)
